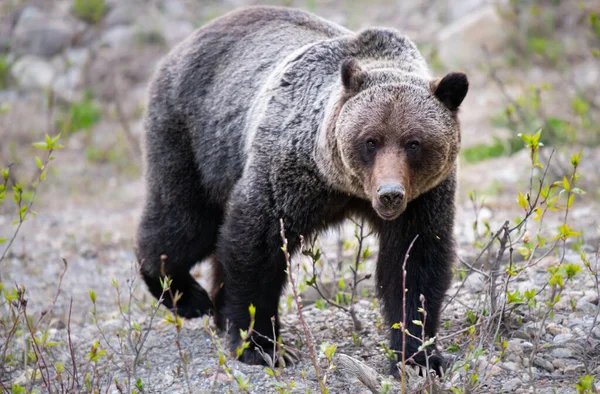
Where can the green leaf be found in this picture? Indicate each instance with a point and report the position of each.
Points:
(41, 145)
(522, 201)
(39, 162)
(580, 106)
(566, 184)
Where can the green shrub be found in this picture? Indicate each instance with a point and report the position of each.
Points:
(90, 11)
(80, 116)
(4, 72)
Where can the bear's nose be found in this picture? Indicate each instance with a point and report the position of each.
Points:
(391, 195)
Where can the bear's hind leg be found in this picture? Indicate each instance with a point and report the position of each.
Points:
(179, 224)
(170, 242)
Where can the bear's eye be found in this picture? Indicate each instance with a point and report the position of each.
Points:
(371, 145)
(413, 146)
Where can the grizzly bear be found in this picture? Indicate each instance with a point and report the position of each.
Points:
(270, 113)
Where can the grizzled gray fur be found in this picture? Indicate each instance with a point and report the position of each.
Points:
(269, 113)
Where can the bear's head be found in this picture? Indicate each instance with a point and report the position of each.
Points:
(396, 134)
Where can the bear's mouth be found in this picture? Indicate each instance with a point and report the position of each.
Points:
(388, 214)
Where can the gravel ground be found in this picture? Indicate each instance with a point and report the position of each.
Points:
(88, 208)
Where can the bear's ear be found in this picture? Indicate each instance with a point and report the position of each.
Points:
(352, 75)
(451, 90)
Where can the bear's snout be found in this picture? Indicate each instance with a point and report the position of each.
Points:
(390, 200)
(391, 196)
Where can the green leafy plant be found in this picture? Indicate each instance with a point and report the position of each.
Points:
(81, 115)
(90, 11)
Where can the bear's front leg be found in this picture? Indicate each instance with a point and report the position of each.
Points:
(254, 273)
(428, 271)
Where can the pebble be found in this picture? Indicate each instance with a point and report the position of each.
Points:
(518, 346)
(511, 385)
(522, 335)
(558, 363)
(596, 331)
(40, 35)
(562, 352)
(562, 338)
(511, 366)
(574, 369)
(544, 364)
(556, 329)
(33, 72)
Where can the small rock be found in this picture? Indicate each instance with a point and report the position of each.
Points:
(556, 329)
(461, 42)
(562, 338)
(574, 369)
(111, 325)
(558, 363)
(40, 35)
(475, 282)
(176, 31)
(175, 9)
(518, 346)
(574, 319)
(544, 364)
(57, 324)
(590, 302)
(120, 38)
(534, 330)
(495, 370)
(78, 57)
(123, 13)
(587, 74)
(32, 72)
(562, 352)
(511, 366)
(596, 331)
(511, 385)
(520, 334)
(579, 332)
(514, 358)
(67, 84)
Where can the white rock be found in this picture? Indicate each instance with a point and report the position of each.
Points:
(461, 42)
(176, 31)
(558, 363)
(123, 13)
(32, 72)
(120, 38)
(574, 369)
(544, 364)
(556, 329)
(475, 282)
(596, 331)
(66, 85)
(39, 34)
(77, 57)
(175, 9)
(511, 366)
(562, 352)
(459, 8)
(587, 74)
(511, 385)
(562, 338)
(518, 346)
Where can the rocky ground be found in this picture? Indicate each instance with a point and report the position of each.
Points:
(88, 207)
